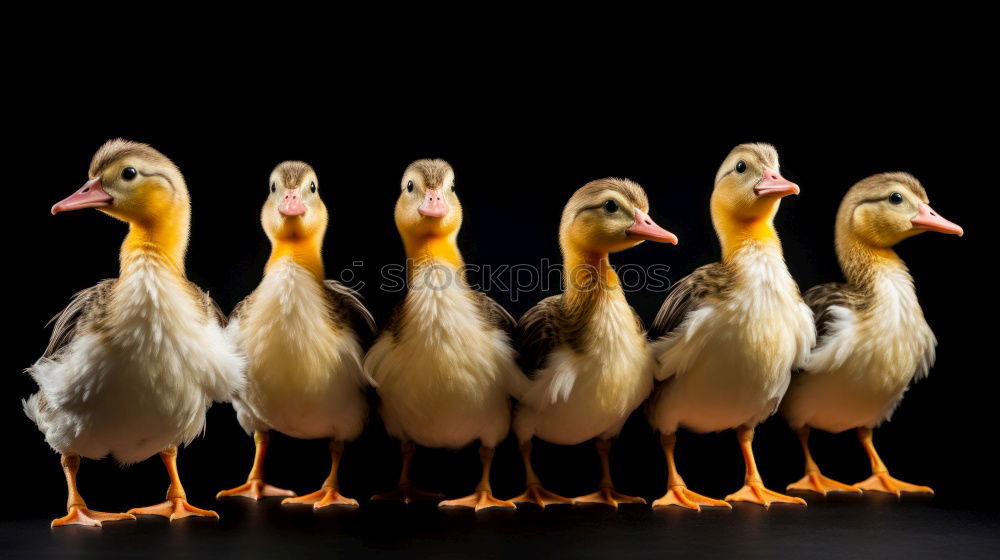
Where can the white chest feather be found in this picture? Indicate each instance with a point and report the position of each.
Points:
(444, 366)
(290, 340)
(733, 358)
(145, 380)
(589, 391)
(882, 347)
(304, 376)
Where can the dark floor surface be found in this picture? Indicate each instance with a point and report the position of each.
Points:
(872, 526)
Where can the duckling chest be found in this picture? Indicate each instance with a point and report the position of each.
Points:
(445, 342)
(763, 325)
(290, 338)
(891, 342)
(612, 359)
(159, 332)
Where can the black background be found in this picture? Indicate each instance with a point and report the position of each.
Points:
(519, 149)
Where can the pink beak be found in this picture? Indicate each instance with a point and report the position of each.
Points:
(645, 228)
(928, 219)
(433, 206)
(291, 204)
(773, 184)
(90, 195)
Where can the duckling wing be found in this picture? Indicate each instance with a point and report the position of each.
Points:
(348, 306)
(84, 310)
(822, 298)
(210, 307)
(495, 314)
(538, 333)
(687, 295)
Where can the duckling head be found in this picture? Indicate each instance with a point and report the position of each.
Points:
(748, 186)
(294, 213)
(132, 182)
(428, 213)
(884, 209)
(607, 216)
(427, 204)
(137, 184)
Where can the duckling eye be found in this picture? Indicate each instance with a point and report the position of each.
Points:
(129, 173)
(409, 186)
(610, 206)
(273, 188)
(896, 198)
(741, 166)
(312, 187)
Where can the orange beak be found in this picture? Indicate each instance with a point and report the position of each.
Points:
(645, 228)
(90, 195)
(929, 220)
(773, 184)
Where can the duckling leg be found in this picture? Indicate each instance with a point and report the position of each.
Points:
(534, 493)
(255, 488)
(483, 497)
(607, 494)
(814, 481)
(677, 492)
(77, 512)
(176, 506)
(753, 488)
(329, 494)
(880, 481)
(405, 492)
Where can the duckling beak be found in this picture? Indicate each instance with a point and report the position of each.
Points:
(90, 195)
(291, 204)
(929, 220)
(645, 228)
(433, 206)
(774, 185)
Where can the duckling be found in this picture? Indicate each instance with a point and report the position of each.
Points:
(873, 339)
(444, 367)
(302, 337)
(729, 334)
(134, 362)
(586, 349)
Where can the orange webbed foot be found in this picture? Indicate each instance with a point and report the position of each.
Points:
(608, 496)
(175, 508)
(480, 499)
(81, 515)
(681, 496)
(407, 494)
(541, 497)
(255, 490)
(815, 481)
(756, 493)
(322, 498)
(882, 482)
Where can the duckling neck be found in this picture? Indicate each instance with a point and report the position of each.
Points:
(431, 249)
(163, 237)
(862, 263)
(735, 234)
(589, 275)
(304, 251)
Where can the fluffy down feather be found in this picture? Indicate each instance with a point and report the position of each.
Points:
(857, 374)
(589, 391)
(138, 370)
(304, 372)
(445, 374)
(732, 355)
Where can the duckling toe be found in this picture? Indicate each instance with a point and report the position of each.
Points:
(255, 490)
